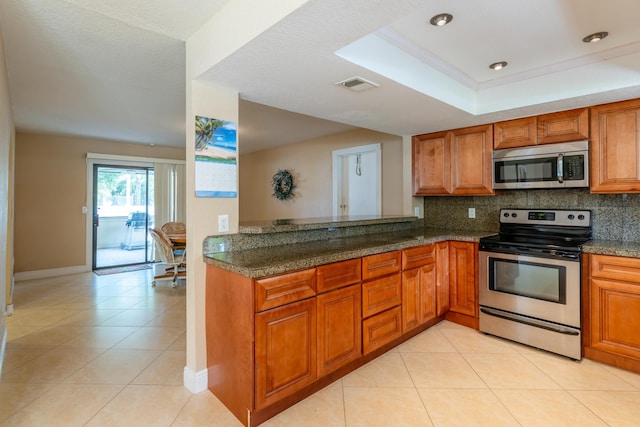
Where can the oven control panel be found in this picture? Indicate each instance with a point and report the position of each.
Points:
(559, 217)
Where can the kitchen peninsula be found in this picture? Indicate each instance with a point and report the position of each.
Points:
(294, 305)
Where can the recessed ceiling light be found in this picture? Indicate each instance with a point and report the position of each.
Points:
(595, 37)
(498, 65)
(441, 19)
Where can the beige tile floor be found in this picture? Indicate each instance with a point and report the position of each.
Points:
(85, 350)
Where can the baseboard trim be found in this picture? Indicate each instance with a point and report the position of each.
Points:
(3, 343)
(53, 272)
(195, 382)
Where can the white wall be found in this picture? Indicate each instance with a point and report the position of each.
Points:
(7, 138)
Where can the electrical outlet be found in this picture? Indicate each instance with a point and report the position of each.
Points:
(416, 212)
(472, 212)
(223, 223)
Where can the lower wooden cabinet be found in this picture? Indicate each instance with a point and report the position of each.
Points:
(381, 294)
(613, 314)
(285, 350)
(425, 284)
(381, 329)
(442, 278)
(418, 296)
(463, 287)
(339, 328)
(272, 341)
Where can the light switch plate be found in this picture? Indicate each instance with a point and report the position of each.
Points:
(223, 223)
(472, 212)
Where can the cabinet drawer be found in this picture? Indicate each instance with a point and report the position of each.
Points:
(381, 294)
(380, 264)
(615, 267)
(279, 290)
(339, 274)
(381, 329)
(417, 257)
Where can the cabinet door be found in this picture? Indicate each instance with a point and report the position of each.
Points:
(615, 147)
(285, 350)
(431, 164)
(515, 133)
(462, 278)
(427, 293)
(563, 126)
(471, 150)
(615, 317)
(410, 299)
(339, 328)
(442, 278)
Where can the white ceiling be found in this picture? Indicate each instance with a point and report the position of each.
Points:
(115, 69)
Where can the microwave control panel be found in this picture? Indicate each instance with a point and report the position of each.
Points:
(573, 167)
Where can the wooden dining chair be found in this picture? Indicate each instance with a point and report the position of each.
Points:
(173, 227)
(176, 262)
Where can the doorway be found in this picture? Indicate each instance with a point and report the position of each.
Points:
(357, 181)
(122, 215)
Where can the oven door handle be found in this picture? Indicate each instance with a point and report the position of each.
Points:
(560, 168)
(520, 319)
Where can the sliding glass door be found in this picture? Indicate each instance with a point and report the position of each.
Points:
(122, 215)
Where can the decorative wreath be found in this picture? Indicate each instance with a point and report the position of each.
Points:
(283, 185)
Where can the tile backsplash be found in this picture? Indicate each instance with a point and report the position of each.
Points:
(614, 216)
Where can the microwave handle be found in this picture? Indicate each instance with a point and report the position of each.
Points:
(560, 169)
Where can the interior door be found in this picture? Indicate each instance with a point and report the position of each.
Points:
(357, 181)
(122, 215)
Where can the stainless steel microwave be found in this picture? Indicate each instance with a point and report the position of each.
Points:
(563, 165)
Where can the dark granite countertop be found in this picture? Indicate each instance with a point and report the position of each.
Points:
(613, 247)
(301, 224)
(271, 260)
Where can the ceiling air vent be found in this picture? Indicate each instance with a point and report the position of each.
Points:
(358, 84)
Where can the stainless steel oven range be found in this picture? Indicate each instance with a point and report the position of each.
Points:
(529, 278)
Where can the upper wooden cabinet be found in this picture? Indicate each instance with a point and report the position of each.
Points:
(563, 126)
(431, 156)
(615, 147)
(456, 162)
(515, 133)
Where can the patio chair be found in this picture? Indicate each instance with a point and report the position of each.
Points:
(176, 263)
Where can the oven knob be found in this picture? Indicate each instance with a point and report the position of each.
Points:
(581, 217)
(571, 216)
(506, 214)
(513, 215)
